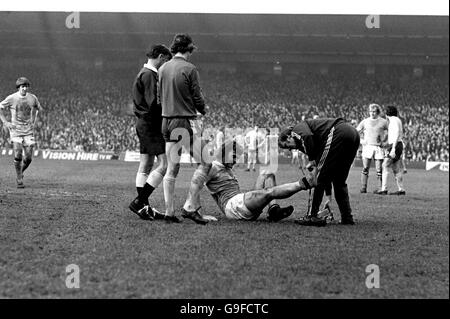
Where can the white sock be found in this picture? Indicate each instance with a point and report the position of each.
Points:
(155, 178)
(384, 177)
(399, 180)
(141, 178)
(169, 190)
(193, 201)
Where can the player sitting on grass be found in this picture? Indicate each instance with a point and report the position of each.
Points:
(235, 204)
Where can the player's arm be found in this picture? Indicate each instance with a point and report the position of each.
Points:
(3, 106)
(35, 111)
(196, 92)
(395, 133)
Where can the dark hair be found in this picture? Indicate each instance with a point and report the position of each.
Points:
(182, 43)
(391, 110)
(22, 81)
(157, 49)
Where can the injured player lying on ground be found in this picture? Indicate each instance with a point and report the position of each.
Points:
(238, 205)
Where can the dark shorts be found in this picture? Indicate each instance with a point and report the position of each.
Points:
(176, 129)
(398, 151)
(151, 141)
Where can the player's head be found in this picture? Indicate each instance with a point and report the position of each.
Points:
(229, 152)
(374, 110)
(159, 53)
(23, 84)
(391, 110)
(182, 43)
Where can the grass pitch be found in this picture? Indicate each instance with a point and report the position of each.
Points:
(76, 213)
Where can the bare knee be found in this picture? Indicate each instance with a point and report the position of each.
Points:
(172, 170)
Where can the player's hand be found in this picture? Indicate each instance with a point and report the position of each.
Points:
(311, 173)
(289, 143)
(392, 153)
(10, 126)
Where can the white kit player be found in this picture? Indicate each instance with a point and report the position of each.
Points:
(374, 130)
(253, 139)
(24, 108)
(393, 153)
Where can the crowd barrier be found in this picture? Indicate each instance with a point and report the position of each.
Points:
(133, 156)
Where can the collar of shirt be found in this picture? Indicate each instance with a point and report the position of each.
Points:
(151, 67)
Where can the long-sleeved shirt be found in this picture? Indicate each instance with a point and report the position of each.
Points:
(145, 104)
(311, 136)
(179, 89)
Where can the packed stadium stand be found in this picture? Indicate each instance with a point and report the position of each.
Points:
(268, 70)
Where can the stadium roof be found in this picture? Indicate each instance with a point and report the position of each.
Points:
(229, 34)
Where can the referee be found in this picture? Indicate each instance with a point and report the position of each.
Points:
(148, 129)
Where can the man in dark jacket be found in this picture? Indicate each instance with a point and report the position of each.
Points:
(148, 129)
(330, 145)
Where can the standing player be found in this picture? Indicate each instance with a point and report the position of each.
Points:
(252, 141)
(373, 128)
(182, 104)
(331, 145)
(393, 152)
(24, 108)
(148, 129)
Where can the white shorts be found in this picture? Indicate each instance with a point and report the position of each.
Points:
(372, 151)
(236, 209)
(27, 140)
(252, 156)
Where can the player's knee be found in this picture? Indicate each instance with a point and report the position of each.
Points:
(17, 158)
(365, 170)
(172, 170)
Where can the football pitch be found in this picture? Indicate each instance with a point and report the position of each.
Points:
(76, 213)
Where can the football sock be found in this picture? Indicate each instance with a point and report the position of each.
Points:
(141, 178)
(193, 200)
(169, 189)
(18, 167)
(399, 179)
(364, 179)
(145, 193)
(384, 177)
(26, 162)
(155, 178)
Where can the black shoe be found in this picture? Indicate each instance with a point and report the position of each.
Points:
(380, 192)
(397, 193)
(195, 216)
(20, 183)
(157, 215)
(276, 213)
(347, 221)
(363, 190)
(247, 169)
(311, 221)
(171, 219)
(144, 212)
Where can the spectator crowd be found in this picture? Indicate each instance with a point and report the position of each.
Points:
(89, 110)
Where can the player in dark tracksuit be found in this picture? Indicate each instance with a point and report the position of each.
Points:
(331, 145)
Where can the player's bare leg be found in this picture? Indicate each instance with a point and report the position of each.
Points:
(275, 212)
(397, 169)
(379, 169)
(365, 174)
(18, 156)
(256, 200)
(198, 180)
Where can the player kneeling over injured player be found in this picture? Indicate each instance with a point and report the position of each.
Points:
(224, 188)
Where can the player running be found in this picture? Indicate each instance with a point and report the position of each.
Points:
(374, 129)
(237, 205)
(24, 108)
